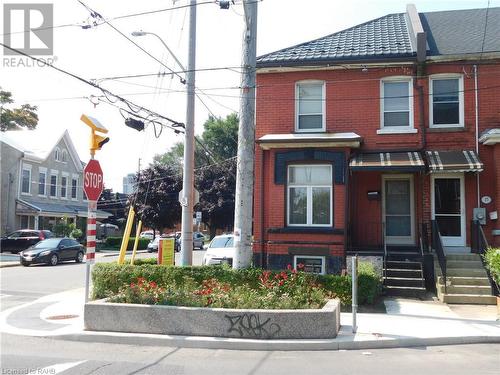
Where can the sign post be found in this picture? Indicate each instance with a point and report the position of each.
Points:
(93, 184)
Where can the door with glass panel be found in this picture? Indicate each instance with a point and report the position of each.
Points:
(448, 208)
(309, 193)
(398, 209)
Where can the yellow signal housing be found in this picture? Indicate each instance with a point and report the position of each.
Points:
(96, 140)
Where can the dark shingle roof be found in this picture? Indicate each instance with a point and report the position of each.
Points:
(380, 38)
(452, 32)
(461, 32)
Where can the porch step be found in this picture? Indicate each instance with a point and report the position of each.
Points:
(401, 264)
(470, 257)
(460, 280)
(403, 272)
(405, 281)
(405, 291)
(466, 272)
(482, 290)
(464, 264)
(470, 299)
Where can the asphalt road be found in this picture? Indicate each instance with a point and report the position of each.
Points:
(51, 356)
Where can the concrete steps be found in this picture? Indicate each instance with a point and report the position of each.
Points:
(466, 282)
(404, 277)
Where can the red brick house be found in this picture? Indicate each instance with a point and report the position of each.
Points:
(368, 137)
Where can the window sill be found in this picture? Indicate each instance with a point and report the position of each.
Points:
(397, 131)
(306, 230)
(446, 129)
(310, 131)
(26, 194)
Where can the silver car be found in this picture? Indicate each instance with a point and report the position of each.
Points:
(221, 250)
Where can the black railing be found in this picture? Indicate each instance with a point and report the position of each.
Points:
(479, 245)
(384, 244)
(424, 235)
(437, 246)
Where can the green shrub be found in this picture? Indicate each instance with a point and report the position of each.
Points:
(116, 242)
(110, 279)
(492, 260)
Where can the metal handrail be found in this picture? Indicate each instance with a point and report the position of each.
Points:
(437, 245)
(479, 245)
(384, 244)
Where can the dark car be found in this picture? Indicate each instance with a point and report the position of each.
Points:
(52, 251)
(198, 240)
(22, 239)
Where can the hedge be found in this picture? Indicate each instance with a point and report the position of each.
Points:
(492, 260)
(115, 243)
(107, 278)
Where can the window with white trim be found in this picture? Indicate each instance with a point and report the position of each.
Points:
(309, 191)
(310, 106)
(74, 186)
(309, 263)
(64, 186)
(446, 101)
(26, 179)
(53, 185)
(42, 180)
(396, 105)
(64, 156)
(57, 154)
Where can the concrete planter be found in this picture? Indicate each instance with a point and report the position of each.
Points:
(198, 321)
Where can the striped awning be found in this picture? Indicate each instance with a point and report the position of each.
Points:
(453, 161)
(388, 161)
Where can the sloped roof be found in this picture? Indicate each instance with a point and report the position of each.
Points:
(460, 32)
(380, 38)
(454, 32)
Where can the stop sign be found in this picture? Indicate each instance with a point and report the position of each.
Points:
(93, 181)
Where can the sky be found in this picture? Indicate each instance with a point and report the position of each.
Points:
(100, 52)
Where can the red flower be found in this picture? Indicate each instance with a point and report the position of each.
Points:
(152, 284)
(132, 285)
(300, 266)
(289, 267)
(141, 280)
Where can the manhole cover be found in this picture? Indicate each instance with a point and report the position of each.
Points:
(61, 317)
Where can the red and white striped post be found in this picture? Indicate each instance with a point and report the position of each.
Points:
(91, 237)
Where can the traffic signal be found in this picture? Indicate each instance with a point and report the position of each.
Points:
(134, 124)
(96, 140)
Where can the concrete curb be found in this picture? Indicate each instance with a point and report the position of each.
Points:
(9, 264)
(270, 345)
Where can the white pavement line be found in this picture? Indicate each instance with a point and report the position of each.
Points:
(58, 299)
(59, 367)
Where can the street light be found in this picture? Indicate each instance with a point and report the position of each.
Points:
(143, 33)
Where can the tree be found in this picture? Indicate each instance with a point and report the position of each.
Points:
(11, 119)
(156, 202)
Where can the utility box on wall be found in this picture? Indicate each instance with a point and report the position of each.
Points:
(479, 214)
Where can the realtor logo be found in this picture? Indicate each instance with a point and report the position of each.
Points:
(28, 28)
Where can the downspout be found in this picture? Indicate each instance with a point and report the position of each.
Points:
(347, 231)
(476, 108)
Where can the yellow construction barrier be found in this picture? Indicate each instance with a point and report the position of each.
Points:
(126, 235)
(136, 242)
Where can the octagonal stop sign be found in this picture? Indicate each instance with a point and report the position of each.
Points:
(93, 181)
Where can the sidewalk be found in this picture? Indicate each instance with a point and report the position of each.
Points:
(407, 323)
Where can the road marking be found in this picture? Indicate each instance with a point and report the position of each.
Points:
(59, 367)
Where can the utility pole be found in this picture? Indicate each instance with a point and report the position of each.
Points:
(187, 198)
(246, 143)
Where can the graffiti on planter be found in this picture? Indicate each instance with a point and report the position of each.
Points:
(249, 325)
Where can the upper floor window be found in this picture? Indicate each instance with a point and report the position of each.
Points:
(74, 184)
(42, 180)
(64, 186)
(57, 154)
(310, 106)
(26, 180)
(53, 185)
(396, 104)
(309, 195)
(64, 156)
(446, 101)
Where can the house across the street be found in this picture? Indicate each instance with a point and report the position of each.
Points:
(41, 181)
(381, 140)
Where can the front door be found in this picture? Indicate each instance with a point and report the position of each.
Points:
(398, 209)
(448, 208)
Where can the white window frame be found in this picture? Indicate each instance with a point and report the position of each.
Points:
(73, 178)
(397, 129)
(57, 154)
(323, 261)
(64, 174)
(323, 106)
(64, 156)
(56, 174)
(309, 188)
(461, 114)
(42, 170)
(26, 167)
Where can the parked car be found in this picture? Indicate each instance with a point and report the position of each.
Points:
(52, 251)
(198, 240)
(22, 239)
(149, 234)
(221, 250)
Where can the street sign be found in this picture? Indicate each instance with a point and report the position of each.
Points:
(198, 215)
(183, 199)
(93, 180)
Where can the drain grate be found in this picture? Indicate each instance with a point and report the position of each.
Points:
(61, 317)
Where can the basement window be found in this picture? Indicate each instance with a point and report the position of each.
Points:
(308, 263)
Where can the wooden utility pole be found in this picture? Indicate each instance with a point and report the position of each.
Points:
(243, 212)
